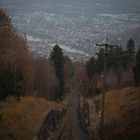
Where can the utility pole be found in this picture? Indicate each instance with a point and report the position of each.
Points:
(84, 107)
(106, 46)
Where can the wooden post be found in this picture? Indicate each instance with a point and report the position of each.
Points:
(106, 46)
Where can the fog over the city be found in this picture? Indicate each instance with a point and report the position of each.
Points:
(75, 24)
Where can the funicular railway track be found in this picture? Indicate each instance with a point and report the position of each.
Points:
(68, 127)
(66, 133)
(65, 130)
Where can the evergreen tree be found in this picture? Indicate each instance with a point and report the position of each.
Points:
(91, 67)
(100, 61)
(131, 47)
(117, 57)
(118, 60)
(58, 59)
(137, 68)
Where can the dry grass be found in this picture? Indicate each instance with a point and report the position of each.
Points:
(22, 120)
(122, 111)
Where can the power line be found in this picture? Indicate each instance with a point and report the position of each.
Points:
(106, 46)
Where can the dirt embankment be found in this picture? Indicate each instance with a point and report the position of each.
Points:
(122, 114)
(22, 120)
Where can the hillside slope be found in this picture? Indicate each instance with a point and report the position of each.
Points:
(122, 114)
(22, 120)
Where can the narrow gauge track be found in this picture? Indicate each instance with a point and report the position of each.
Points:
(65, 130)
(66, 133)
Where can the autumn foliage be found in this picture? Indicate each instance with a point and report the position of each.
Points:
(46, 82)
(16, 67)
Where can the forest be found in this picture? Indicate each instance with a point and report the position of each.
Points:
(22, 74)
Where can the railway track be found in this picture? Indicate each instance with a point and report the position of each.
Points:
(66, 133)
(68, 128)
(65, 128)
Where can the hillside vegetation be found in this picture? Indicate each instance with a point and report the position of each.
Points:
(22, 120)
(122, 111)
